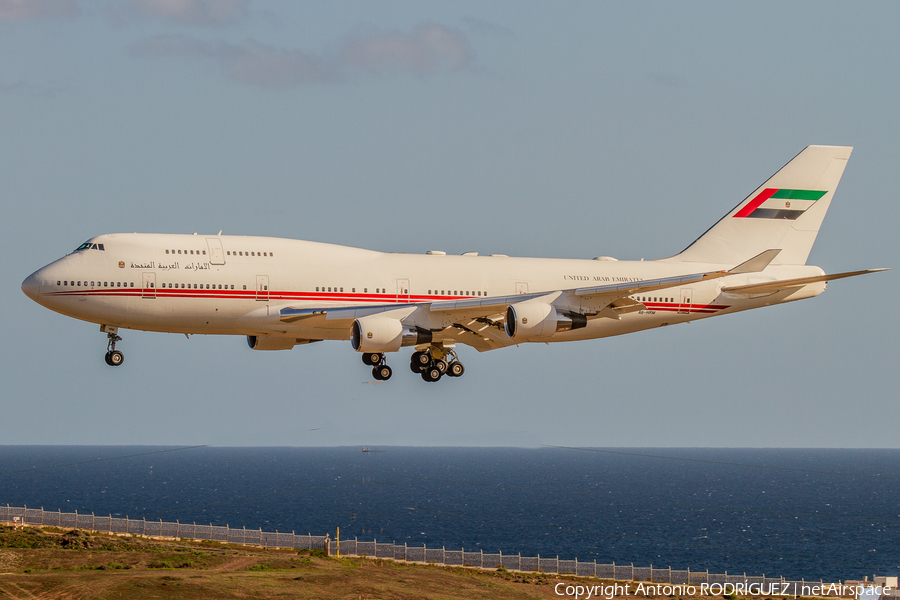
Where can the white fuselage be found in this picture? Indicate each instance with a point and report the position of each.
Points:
(236, 285)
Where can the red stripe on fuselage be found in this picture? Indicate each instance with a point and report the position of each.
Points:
(336, 297)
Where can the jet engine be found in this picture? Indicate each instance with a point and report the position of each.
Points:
(270, 342)
(530, 320)
(383, 334)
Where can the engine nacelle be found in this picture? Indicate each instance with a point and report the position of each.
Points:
(533, 320)
(384, 334)
(270, 342)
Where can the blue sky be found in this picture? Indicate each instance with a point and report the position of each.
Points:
(531, 129)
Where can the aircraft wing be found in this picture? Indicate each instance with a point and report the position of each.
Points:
(479, 322)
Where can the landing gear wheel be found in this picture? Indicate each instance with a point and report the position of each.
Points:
(382, 372)
(115, 358)
(415, 368)
(420, 359)
(372, 358)
(441, 365)
(431, 374)
(456, 369)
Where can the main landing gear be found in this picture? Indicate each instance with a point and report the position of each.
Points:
(380, 370)
(433, 363)
(114, 357)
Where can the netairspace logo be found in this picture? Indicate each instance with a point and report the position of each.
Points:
(610, 591)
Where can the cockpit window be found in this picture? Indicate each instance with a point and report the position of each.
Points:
(89, 246)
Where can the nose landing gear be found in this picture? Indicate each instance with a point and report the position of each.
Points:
(113, 357)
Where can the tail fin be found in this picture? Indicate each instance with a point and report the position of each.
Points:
(784, 213)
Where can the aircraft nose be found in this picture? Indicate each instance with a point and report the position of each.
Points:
(32, 286)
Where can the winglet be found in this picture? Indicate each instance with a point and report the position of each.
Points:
(756, 264)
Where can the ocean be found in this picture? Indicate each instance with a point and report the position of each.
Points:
(831, 514)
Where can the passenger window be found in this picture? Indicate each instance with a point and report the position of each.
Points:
(228, 253)
(57, 283)
(353, 290)
(179, 252)
(342, 289)
(232, 287)
(365, 290)
(79, 284)
(204, 253)
(167, 251)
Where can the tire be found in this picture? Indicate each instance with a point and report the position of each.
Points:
(382, 372)
(441, 365)
(116, 358)
(415, 367)
(456, 369)
(422, 359)
(106, 358)
(431, 374)
(371, 358)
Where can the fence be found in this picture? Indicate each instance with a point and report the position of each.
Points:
(162, 529)
(423, 554)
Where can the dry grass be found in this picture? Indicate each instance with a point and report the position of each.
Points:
(47, 563)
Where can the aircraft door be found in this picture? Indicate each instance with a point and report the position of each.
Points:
(403, 290)
(148, 287)
(521, 288)
(684, 308)
(216, 254)
(262, 287)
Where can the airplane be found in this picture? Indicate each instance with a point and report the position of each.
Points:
(281, 293)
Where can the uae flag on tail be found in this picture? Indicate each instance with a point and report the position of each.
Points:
(773, 203)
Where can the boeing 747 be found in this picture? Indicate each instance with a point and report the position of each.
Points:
(280, 293)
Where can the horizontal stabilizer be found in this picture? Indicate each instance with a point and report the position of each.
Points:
(756, 264)
(783, 284)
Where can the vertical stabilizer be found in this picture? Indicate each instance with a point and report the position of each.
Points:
(784, 213)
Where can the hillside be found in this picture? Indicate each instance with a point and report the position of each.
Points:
(53, 563)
